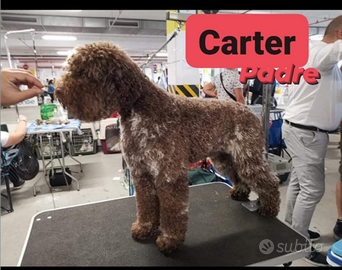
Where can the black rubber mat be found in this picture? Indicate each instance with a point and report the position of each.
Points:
(221, 232)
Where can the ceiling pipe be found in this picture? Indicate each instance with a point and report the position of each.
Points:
(325, 20)
(120, 11)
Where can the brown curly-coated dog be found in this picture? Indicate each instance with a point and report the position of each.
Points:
(162, 133)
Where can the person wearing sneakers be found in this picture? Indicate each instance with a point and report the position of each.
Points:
(338, 226)
(312, 112)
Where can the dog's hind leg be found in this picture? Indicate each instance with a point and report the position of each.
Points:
(224, 164)
(257, 174)
(173, 196)
(147, 206)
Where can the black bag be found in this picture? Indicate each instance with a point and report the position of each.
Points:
(57, 177)
(229, 94)
(26, 163)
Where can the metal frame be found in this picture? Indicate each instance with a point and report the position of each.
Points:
(266, 107)
(180, 17)
(8, 156)
(46, 170)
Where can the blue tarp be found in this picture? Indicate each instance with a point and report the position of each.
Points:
(74, 123)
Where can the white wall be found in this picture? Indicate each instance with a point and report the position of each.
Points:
(5, 64)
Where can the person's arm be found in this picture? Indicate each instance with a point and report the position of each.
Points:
(11, 79)
(328, 56)
(238, 89)
(209, 89)
(18, 134)
(239, 95)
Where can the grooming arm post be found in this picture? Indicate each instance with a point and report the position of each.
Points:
(266, 106)
(9, 54)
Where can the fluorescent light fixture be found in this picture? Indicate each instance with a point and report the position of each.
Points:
(316, 37)
(72, 10)
(63, 52)
(53, 37)
(66, 53)
(161, 54)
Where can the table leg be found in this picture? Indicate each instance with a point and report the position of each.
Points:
(63, 163)
(40, 149)
(69, 142)
(9, 196)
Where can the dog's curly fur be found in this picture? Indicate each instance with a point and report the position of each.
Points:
(162, 133)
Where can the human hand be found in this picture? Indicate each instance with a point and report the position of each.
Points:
(11, 79)
(22, 118)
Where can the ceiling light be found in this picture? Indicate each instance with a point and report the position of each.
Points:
(63, 52)
(161, 54)
(72, 10)
(52, 37)
(66, 53)
(316, 37)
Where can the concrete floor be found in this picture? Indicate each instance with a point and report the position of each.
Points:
(102, 179)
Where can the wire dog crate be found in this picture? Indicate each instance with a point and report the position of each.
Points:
(54, 149)
(86, 143)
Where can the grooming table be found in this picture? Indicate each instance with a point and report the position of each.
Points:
(221, 232)
(49, 130)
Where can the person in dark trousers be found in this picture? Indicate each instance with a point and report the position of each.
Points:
(51, 90)
(257, 91)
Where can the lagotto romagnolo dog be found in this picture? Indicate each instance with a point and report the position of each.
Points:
(162, 133)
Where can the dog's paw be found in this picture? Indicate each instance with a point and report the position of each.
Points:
(143, 231)
(268, 211)
(238, 194)
(166, 244)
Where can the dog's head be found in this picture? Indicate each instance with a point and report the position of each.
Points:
(100, 78)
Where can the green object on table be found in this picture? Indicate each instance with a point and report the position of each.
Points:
(46, 110)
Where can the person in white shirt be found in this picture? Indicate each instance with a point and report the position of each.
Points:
(313, 111)
(226, 86)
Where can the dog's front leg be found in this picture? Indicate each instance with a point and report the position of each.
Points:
(147, 206)
(173, 196)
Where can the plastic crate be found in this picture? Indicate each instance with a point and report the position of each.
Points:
(110, 136)
(85, 144)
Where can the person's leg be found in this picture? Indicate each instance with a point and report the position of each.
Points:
(310, 171)
(338, 226)
(291, 195)
(308, 150)
(14, 178)
(293, 187)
